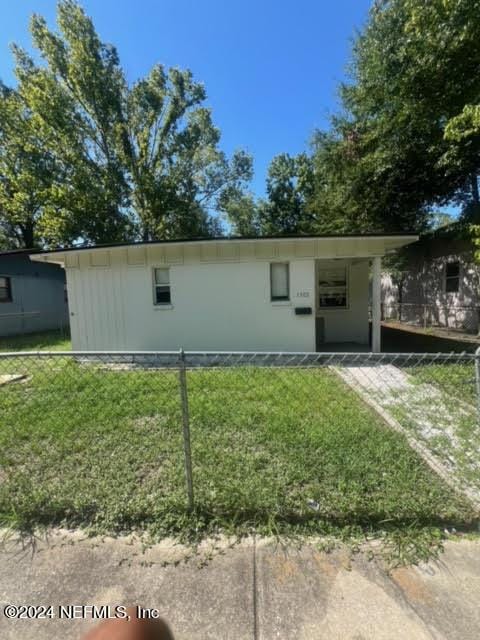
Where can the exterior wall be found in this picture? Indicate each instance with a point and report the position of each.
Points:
(38, 296)
(218, 302)
(423, 295)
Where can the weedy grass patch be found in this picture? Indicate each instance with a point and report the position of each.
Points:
(456, 378)
(441, 409)
(40, 341)
(278, 451)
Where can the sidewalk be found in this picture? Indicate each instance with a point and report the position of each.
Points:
(246, 592)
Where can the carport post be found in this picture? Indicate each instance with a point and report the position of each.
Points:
(186, 428)
(376, 303)
(477, 379)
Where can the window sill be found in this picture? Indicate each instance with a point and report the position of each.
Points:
(162, 307)
(281, 303)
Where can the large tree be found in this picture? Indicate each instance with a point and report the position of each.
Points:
(408, 136)
(27, 174)
(139, 159)
(286, 209)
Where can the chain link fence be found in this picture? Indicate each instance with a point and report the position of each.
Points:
(452, 318)
(119, 441)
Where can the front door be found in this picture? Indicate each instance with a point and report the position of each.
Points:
(331, 284)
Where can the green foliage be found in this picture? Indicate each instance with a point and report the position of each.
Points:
(123, 161)
(242, 212)
(286, 211)
(27, 171)
(288, 185)
(475, 234)
(408, 136)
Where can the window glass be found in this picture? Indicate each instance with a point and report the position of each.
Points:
(452, 277)
(279, 281)
(162, 276)
(332, 288)
(162, 294)
(5, 289)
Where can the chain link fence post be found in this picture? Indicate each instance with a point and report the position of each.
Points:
(477, 379)
(186, 429)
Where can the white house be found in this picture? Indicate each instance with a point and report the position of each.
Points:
(226, 294)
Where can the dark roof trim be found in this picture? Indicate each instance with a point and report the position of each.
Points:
(20, 252)
(227, 238)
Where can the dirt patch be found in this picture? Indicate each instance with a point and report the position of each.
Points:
(411, 585)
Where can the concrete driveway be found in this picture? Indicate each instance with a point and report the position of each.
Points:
(249, 591)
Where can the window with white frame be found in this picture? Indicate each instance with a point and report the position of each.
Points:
(279, 281)
(452, 277)
(332, 287)
(161, 284)
(5, 289)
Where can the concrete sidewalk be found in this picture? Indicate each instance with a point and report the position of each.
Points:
(248, 591)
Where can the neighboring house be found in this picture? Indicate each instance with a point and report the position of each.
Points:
(278, 294)
(438, 284)
(32, 295)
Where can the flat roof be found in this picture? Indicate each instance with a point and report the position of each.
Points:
(328, 245)
(19, 252)
(338, 236)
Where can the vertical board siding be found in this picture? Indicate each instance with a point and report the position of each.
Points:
(218, 305)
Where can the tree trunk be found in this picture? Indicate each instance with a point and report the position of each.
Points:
(400, 296)
(475, 194)
(28, 235)
(474, 183)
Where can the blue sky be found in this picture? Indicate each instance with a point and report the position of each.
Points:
(271, 68)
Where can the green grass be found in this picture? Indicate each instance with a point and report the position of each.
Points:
(43, 341)
(453, 414)
(102, 449)
(454, 378)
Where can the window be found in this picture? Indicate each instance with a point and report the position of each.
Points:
(452, 277)
(332, 288)
(162, 286)
(5, 289)
(279, 281)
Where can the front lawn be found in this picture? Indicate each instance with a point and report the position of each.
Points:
(281, 451)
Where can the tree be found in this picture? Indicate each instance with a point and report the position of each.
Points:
(406, 139)
(136, 160)
(27, 172)
(242, 211)
(170, 148)
(285, 210)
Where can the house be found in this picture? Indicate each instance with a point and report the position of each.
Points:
(32, 295)
(438, 283)
(246, 294)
